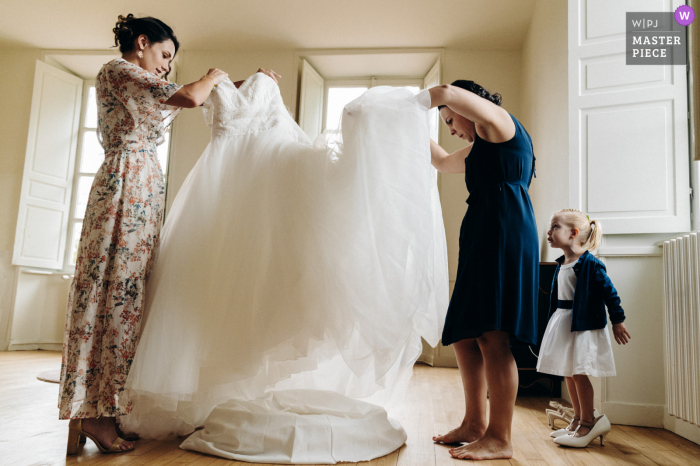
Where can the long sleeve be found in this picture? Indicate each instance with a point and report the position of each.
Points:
(610, 296)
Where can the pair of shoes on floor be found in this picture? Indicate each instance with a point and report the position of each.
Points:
(77, 436)
(569, 429)
(560, 412)
(600, 427)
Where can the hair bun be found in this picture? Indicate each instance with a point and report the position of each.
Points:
(122, 32)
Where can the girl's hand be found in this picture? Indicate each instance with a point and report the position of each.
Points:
(269, 73)
(217, 75)
(622, 336)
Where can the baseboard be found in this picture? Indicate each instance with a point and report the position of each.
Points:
(632, 414)
(683, 428)
(33, 346)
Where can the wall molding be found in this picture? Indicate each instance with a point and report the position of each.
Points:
(35, 345)
(632, 414)
(621, 251)
(680, 427)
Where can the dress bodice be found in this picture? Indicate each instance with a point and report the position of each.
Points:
(491, 164)
(256, 106)
(131, 106)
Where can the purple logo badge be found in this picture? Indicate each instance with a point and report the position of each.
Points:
(684, 15)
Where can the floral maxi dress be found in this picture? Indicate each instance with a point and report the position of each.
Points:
(118, 242)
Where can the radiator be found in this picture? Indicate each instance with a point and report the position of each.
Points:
(682, 326)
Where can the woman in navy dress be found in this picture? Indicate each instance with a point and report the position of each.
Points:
(494, 301)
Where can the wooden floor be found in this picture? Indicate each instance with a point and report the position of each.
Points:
(31, 434)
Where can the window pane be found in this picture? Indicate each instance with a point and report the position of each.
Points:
(74, 242)
(338, 97)
(91, 109)
(83, 194)
(163, 150)
(92, 153)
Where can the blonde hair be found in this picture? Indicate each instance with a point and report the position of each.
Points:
(590, 231)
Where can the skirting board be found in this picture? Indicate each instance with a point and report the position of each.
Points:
(35, 346)
(632, 414)
(627, 414)
(680, 427)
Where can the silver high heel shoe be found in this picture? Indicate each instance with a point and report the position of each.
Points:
(553, 415)
(559, 412)
(599, 428)
(561, 408)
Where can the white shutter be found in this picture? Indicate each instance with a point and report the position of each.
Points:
(311, 100)
(628, 128)
(42, 223)
(432, 79)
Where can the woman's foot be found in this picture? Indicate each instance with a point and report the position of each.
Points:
(463, 433)
(104, 429)
(486, 448)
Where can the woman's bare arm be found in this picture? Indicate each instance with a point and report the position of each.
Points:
(448, 163)
(194, 94)
(492, 122)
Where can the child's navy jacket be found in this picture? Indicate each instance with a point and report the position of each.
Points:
(593, 292)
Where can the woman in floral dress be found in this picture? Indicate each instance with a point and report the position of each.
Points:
(121, 228)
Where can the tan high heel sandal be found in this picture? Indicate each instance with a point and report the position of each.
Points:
(77, 436)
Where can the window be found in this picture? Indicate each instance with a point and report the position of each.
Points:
(88, 160)
(339, 93)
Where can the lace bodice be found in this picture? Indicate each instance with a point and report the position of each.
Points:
(255, 107)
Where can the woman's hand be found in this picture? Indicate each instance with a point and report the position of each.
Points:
(269, 73)
(216, 75)
(622, 336)
(194, 94)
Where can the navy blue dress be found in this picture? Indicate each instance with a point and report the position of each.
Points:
(498, 270)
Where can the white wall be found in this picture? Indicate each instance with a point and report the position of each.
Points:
(16, 86)
(545, 113)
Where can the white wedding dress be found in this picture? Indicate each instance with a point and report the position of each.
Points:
(294, 282)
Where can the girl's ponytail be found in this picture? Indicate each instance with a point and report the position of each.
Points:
(595, 237)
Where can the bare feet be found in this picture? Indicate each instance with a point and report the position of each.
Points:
(486, 448)
(463, 433)
(105, 431)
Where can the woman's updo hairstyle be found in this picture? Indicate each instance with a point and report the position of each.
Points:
(473, 87)
(128, 29)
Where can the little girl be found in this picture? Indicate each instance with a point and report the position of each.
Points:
(576, 343)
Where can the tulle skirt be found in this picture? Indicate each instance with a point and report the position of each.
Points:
(286, 265)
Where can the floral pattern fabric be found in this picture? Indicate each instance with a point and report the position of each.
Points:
(118, 242)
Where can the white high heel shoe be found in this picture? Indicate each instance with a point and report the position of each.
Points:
(599, 428)
(560, 432)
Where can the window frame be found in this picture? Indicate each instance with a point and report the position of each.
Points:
(368, 82)
(68, 266)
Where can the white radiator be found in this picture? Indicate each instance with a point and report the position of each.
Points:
(682, 326)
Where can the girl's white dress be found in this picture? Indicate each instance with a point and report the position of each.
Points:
(567, 353)
(294, 283)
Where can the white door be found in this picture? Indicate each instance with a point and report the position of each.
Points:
(42, 223)
(628, 128)
(311, 100)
